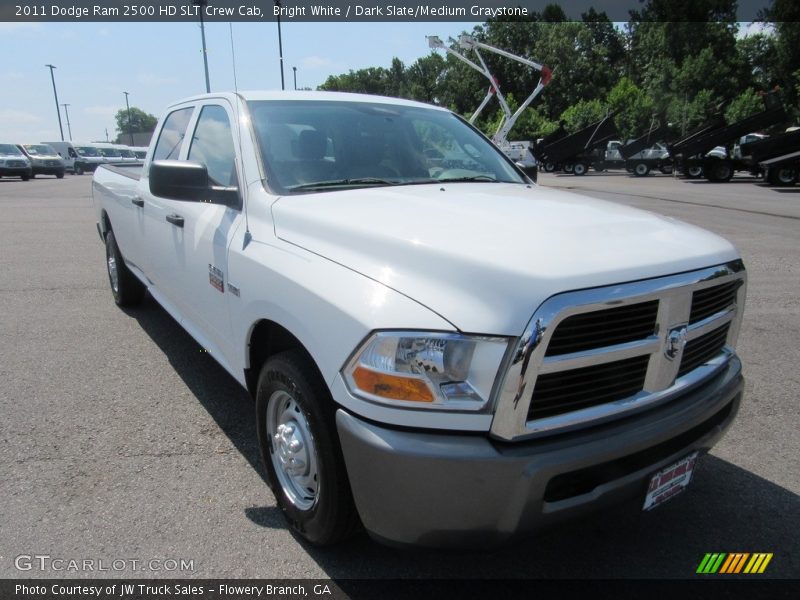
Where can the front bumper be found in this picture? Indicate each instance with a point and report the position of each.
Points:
(14, 171)
(442, 489)
(48, 170)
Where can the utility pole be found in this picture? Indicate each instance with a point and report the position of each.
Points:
(130, 125)
(55, 94)
(295, 77)
(69, 128)
(202, 4)
(280, 43)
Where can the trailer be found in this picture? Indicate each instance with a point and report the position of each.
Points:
(643, 154)
(777, 156)
(692, 153)
(573, 152)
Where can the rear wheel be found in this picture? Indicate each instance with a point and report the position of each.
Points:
(78, 169)
(694, 172)
(25, 177)
(126, 288)
(785, 176)
(295, 417)
(549, 167)
(60, 175)
(720, 172)
(580, 168)
(641, 169)
(568, 168)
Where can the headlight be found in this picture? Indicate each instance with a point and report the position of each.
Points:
(444, 371)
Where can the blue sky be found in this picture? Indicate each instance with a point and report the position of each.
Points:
(158, 63)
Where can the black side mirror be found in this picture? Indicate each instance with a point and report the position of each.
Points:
(188, 181)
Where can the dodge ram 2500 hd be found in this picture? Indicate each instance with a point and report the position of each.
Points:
(438, 349)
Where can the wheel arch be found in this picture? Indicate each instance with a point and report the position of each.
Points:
(266, 339)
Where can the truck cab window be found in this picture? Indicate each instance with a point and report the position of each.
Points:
(171, 138)
(212, 145)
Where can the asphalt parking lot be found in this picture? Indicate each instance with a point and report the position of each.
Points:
(121, 439)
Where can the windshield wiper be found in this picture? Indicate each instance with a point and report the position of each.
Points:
(343, 183)
(469, 178)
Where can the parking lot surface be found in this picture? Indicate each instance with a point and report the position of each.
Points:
(122, 440)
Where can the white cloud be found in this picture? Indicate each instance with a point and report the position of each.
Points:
(19, 27)
(18, 116)
(315, 62)
(101, 111)
(151, 79)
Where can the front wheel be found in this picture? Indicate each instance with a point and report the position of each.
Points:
(126, 288)
(641, 169)
(60, 175)
(78, 169)
(295, 417)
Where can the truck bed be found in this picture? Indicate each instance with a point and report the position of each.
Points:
(133, 171)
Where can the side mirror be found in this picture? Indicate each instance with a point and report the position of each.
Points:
(188, 181)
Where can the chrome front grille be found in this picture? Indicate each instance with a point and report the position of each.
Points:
(601, 328)
(564, 391)
(592, 355)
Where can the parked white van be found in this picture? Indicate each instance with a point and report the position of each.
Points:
(78, 158)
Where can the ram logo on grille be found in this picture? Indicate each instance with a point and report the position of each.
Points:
(676, 342)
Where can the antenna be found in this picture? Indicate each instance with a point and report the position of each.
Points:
(233, 59)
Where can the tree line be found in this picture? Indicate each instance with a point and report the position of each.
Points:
(675, 61)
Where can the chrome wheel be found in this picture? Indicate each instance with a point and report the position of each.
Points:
(293, 455)
(113, 275)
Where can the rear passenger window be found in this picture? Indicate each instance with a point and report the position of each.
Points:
(170, 140)
(212, 145)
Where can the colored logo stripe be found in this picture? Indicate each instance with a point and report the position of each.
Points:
(734, 563)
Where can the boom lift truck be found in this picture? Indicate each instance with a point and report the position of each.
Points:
(520, 151)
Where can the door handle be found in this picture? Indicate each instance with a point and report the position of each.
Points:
(176, 220)
(137, 201)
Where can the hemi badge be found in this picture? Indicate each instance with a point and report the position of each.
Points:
(233, 289)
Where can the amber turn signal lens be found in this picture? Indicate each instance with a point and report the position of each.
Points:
(391, 386)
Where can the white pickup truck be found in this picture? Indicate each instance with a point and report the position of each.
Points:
(439, 350)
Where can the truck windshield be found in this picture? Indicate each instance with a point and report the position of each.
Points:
(87, 151)
(110, 152)
(40, 149)
(327, 145)
(9, 150)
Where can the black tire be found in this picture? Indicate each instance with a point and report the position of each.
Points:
(785, 176)
(720, 172)
(33, 175)
(316, 498)
(549, 167)
(78, 169)
(579, 169)
(125, 287)
(567, 168)
(25, 177)
(641, 169)
(694, 172)
(60, 175)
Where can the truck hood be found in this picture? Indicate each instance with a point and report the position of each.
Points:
(485, 255)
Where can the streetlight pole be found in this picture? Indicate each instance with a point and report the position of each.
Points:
(295, 77)
(202, 4)
(280, 43)
(69, 128)
(55, 94)
(130, 125)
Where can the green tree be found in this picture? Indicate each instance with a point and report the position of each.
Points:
(634, 110)
(583, 113)
(745, 104)
(140, 121)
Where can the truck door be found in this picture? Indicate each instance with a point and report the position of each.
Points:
(194, 264)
